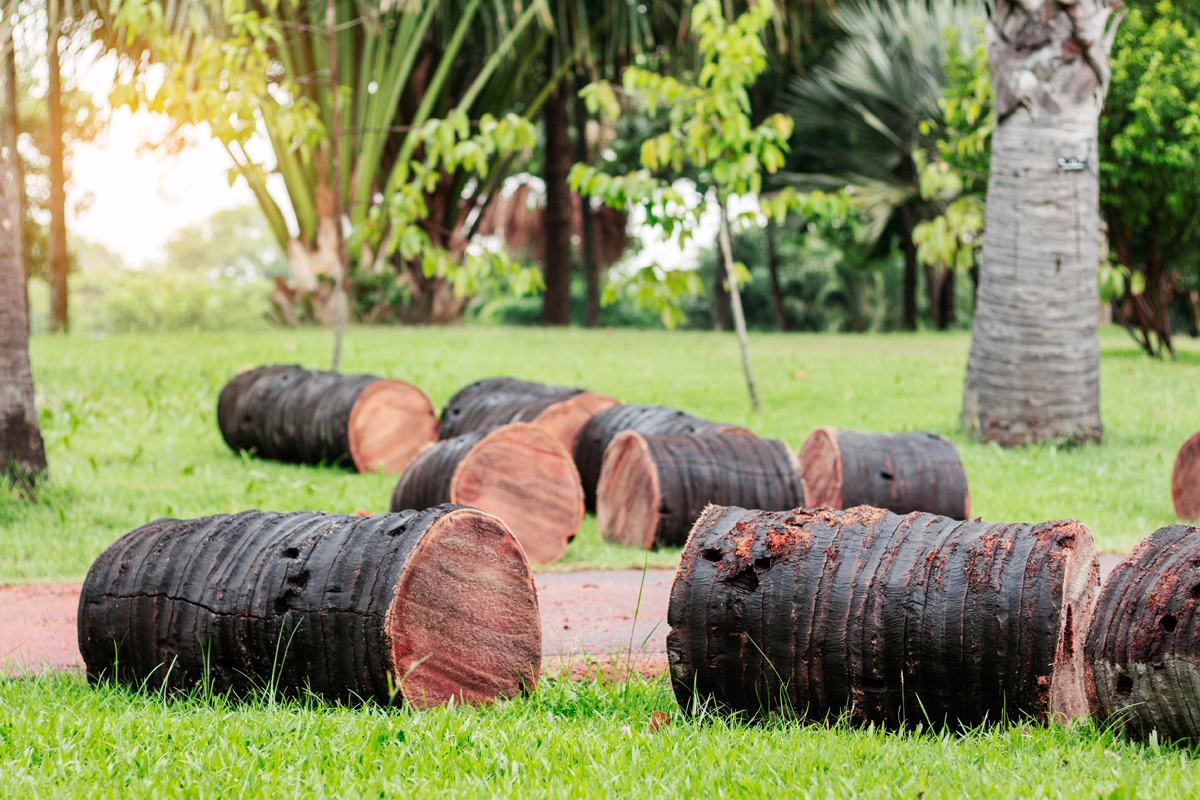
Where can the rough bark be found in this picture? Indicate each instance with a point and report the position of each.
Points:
(493, 402)
(1185, 480)
(1034, 367)
(423, 607)
(58, 261)
(556, 252)
(890, 620)
(590, 255)
(600, 430)
(286, 413)
(773, 268)
(901, 472)
(653, 488)
(22, 452)
(1143, 648)
(518, 472)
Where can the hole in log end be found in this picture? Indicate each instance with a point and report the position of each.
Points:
(464, 622)
(1185, 480)
(628, 495)
(1081, 579)
(564, 420)
(821, 469)
(390, 423)
(523, 475)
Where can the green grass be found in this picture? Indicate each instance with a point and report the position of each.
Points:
(60, 738)
(129, 423)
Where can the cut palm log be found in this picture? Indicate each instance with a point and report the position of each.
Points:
(1143, 648)
(600, 430)
(1185, 480)
(901, 472)
(518, 472)
(423, 607)
(891, 620)
(287, 413)
(653, 487)
(493, 402)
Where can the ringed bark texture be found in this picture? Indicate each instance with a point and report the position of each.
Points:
(439, 604)
(1143, 648)
(892, 620)
(518, 472)
(653, 488)
(1185, 480)
(1034, 368)
(600, 430)
(287, 413)
(901, 472)
(493, 402)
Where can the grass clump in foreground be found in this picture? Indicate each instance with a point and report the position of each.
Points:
(59, 737)
(130, 423)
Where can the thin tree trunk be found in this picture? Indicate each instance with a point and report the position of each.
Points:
(556, 253)
(12, 131)
(587, 221)
(22, 452)
(340, 297)
(735, 302)
(773, 267)
(909, 249)
(1034, 368)
(57, 259)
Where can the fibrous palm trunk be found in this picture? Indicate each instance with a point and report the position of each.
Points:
(556, 256)
(56, 251)
(22, 453)
(1034, 368)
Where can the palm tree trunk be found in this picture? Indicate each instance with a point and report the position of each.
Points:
(587, 220)
(22, 452)
(735, 302)
(56, 249)
(556, 254)
(12, 130)
(773, 268)
(909, 323)
(1034, 368)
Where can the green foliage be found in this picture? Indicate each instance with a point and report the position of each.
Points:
(235, 242)
(1150, 166)
(708, 132)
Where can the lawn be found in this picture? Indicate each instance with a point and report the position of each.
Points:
(130, 429)
(129, 423)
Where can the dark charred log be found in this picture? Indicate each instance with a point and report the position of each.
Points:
(891, 620)
(1185, 480)
(596, 435)
(518, 472)
(901, 472)
(493, 402)
(1143, 647)
(349, 608)
(653, 488)
(287, 413)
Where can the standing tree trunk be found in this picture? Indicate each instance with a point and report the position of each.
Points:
(773, 267)
(22, 453)
(909, 323)
(587, 220)
(1034, 368)
(735, 298)
(56, 250)
(12, 130)
(556, 253)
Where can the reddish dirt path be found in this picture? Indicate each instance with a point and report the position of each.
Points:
(588, 618)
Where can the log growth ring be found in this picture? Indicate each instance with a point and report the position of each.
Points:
(564, 420)
(629, 474)
(1185, 480)
(821, 469)
(390, 423)
(461, 626)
